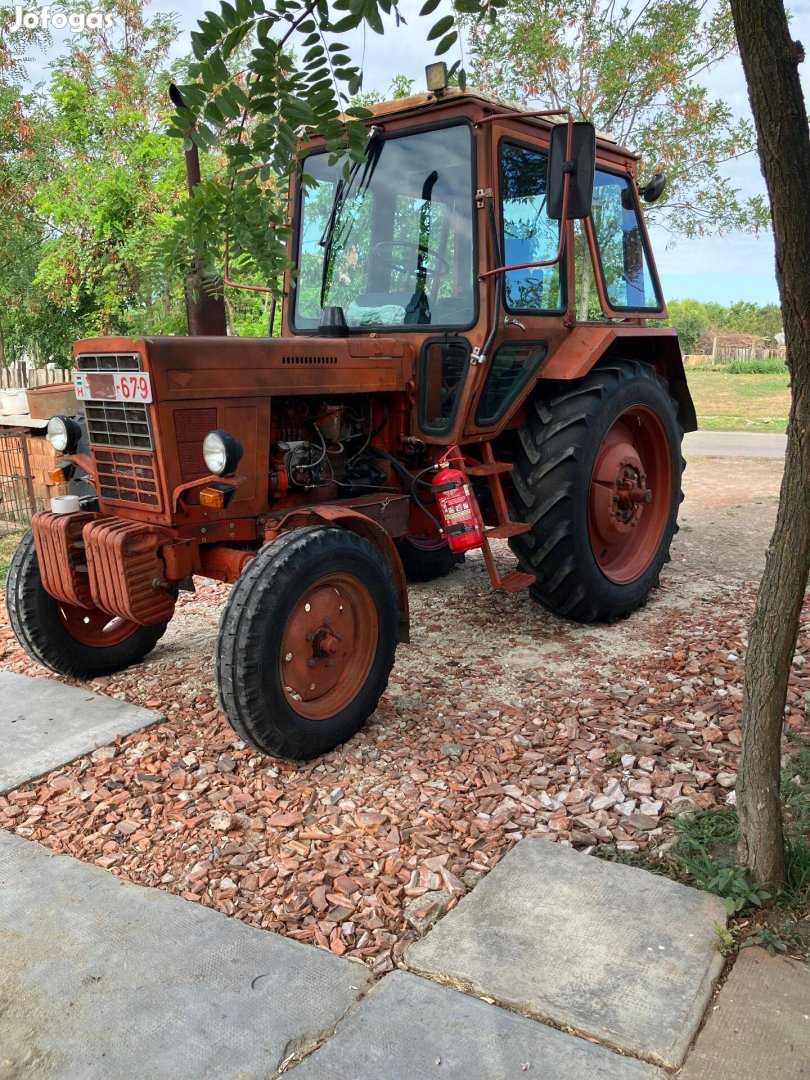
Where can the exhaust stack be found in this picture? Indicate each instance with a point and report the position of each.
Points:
(205, 301)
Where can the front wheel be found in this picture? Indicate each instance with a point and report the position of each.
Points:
(599, 481)
(306, 642)
(77, 642)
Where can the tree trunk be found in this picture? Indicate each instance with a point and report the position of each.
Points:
(770, 60)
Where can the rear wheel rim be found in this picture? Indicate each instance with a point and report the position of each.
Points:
(93, 627)
(328, 646)
(630, 494)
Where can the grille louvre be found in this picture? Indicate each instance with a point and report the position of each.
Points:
(309, 359)
(115, 423)
(108, 362)
(124, 476)
(118, 423)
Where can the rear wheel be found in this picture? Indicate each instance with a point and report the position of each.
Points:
(73, 641)
(306, 642)
(426, 560)
(599, 481)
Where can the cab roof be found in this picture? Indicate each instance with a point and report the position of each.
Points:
(421, 102)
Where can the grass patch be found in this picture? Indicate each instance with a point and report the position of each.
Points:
(725, 402)
(756, 367)
(8, 545)
(703, 853)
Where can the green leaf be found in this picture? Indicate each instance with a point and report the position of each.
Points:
(429, 7)
(235, 38)
(441, 27)
(446, 43)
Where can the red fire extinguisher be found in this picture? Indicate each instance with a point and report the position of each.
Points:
(456, 505)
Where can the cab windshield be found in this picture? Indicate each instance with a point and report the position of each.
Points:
(393, 245)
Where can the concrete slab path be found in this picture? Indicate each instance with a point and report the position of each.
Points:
(616, 953)
(104, 980)
(45, 723)
(760, 1026)
(411, 1029)
(735, 444)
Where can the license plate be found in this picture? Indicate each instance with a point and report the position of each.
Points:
(135, 386)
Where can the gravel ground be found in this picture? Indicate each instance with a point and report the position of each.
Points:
(499, 721)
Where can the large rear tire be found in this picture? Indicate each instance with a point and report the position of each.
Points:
(599, 481)
(77, 642)
(306, 642)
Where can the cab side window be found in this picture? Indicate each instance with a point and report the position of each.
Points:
(625, 267)
(529, 235)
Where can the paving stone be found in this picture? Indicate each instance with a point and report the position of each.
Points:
(104, 980)
(411, 1028)
(760, 1026)
(614, 952)
(44, 724)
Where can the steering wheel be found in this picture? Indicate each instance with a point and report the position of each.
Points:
(438, 262)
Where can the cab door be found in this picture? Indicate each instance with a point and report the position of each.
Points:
(533, 301)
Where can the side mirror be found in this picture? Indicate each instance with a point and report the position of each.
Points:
(654, 188)
(581, 168)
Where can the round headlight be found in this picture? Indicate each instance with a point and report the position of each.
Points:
(222, 452)
(63, 434)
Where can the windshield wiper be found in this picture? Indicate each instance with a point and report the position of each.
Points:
(371, 151)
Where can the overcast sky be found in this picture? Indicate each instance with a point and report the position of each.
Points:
(727, 268)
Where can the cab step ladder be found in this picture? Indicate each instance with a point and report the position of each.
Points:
(492, 471)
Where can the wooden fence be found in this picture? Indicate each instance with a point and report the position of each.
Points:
(22, 377)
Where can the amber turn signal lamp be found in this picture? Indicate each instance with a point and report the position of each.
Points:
(216, 496)
(212, 498)
(63, 473)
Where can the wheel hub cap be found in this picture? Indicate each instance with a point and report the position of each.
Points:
(629, 497)
(328, 646)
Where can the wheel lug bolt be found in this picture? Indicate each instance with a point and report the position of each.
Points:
(311, 663)
(310, 637)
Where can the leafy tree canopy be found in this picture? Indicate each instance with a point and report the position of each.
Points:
(632, 69)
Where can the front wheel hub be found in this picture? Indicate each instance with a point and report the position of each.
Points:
(328, 646)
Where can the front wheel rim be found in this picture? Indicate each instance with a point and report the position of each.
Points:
(93, 627)
(328, 646)
(630, 495)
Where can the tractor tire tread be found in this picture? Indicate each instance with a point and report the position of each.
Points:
(545, 482)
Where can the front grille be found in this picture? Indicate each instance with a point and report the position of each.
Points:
(190, 428)
(127, 477)
(118, 423)
(115, 423)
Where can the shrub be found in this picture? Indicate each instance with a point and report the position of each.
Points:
(756, 367)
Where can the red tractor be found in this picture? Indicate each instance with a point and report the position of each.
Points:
(464, 357)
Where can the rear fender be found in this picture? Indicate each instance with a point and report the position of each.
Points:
(346, 518)
(657, 346)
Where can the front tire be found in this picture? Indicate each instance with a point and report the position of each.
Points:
(307, 642)
(598, 479)
(80, 643)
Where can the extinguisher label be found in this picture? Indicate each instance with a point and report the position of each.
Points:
(457, 510)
